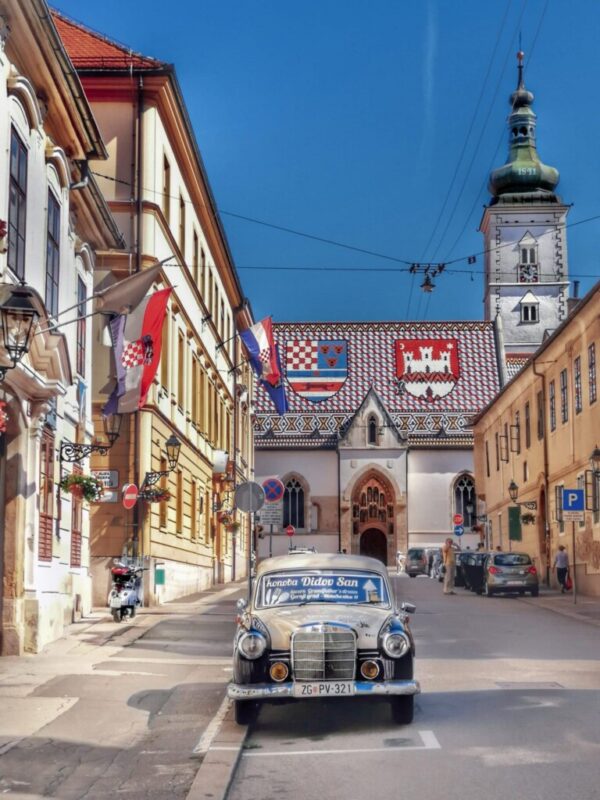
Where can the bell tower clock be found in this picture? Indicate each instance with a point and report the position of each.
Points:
(526, 265)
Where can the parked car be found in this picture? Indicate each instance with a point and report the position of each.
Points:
(473, 570)
(459, 578)
(433, 553)
(510, 572)
(416, 562)
(322, 625)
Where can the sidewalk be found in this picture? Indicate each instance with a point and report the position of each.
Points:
(586, 609)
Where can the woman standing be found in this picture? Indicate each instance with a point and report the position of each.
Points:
(561, 564)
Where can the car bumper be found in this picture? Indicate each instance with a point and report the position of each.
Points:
(274, 691)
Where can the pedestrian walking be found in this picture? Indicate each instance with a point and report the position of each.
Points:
(561, 565)
(449, 564)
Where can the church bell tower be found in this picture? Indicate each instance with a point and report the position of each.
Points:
(526, 265)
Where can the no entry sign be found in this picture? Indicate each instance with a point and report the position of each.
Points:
(290, 530)
(457, 519)
(130, 495)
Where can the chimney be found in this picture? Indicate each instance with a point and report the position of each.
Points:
(574, 301)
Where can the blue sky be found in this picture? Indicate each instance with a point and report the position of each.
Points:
(346, 120)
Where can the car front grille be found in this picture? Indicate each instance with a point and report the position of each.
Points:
(324, 653)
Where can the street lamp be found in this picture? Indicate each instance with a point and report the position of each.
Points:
(595, 460)
(73, 451)
(173, 448)
(18, 318)
(513, 491)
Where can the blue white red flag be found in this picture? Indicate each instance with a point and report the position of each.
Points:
(277, 393)
(137, 340)
(260, 346)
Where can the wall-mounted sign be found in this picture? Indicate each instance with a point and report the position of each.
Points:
(109, 478)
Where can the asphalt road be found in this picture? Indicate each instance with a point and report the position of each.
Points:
(509, 709)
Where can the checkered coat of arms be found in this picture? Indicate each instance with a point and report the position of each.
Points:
(316, 369)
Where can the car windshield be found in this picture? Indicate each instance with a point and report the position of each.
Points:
(416, 554)
(299, 587)
(512, 560)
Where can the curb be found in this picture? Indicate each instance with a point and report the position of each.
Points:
(562, 611)
(216, 772)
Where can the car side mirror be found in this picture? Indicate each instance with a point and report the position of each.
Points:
(408, 608)
(241, 605)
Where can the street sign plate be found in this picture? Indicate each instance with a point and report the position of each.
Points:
(458, 530)
(249, 496)
(458, 519)
(109, 478)
(272, 514)
(130, 495)
(273, 489)
(573, 500)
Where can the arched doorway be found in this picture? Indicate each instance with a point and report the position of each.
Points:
(373, 543)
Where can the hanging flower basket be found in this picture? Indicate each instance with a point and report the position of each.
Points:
(233, 526)
(528, 519)
(154, 494)
(84, 486)
(477, 528)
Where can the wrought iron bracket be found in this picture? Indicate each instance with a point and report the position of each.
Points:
(71, 452)
(153, 477)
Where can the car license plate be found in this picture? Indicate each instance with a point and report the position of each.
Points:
(324, 689)
(115, 602)
(515, 583)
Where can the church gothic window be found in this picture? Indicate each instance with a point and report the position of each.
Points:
(372, 430)
(530, 308)
(465, 501)
(373, 505)
(293, 504)
(528, 268)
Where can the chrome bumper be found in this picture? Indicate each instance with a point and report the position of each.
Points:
(274, 691)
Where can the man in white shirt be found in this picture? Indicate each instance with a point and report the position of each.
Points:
(561, 565)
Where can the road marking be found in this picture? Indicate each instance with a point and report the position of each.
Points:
(212, 728)
(428, 739)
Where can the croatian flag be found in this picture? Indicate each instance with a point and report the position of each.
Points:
(260, 346)
(277, 393)
(137, 340)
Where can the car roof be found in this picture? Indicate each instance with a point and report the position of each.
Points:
(320, 561)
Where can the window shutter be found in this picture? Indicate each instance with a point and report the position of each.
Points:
(514, 523)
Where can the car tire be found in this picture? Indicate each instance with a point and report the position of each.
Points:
(403, 709)
(116, 614)
(535, 592)
(410, 575)
(245, 711)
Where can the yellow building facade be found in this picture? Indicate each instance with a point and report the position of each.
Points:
(540, 432)
(158, 191)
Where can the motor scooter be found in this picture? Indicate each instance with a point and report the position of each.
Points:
(124, 596)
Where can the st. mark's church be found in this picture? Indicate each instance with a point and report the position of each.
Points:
(375, 451)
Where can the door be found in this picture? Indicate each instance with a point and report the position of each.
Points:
(374, 544)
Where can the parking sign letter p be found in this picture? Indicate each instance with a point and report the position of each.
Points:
(572, 499)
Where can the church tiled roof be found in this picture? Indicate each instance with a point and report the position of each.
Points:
(515, 363)
(431, 388)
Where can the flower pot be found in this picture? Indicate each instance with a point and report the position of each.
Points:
(76, 489)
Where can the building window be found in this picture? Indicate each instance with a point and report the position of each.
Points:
(528, 262)
(596, 498)
(552, 403)
(529, 312)
(222, 320)
(46, 495)
(76, 525)
(182, 225)
(179, 503)
(558, 499)
(525, 472)
(540, 415)
(497, 437)
(372, 430)
(202, 286)
(581, 485)
(81, 325)
(465, 501)
(17, 205)
(52, 255)
(164, 358)
(564, 396)
(196, 259)
(293, 504)
(163, 508)
(181, 370)
(166, 190)
(527, 426)
(210, 292)
(194, 509)
(487, 460)
(195, 391)
(577, 385)
(515, 434)
(592, 373)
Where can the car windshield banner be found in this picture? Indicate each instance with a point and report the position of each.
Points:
(293, 588)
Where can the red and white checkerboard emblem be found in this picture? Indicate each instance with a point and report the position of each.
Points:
(316, 368)
(138, 353)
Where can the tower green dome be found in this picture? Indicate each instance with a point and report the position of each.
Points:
(523, 173)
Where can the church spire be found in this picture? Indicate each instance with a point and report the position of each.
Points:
(523, 174)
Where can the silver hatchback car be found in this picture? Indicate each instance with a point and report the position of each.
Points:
(510, 572)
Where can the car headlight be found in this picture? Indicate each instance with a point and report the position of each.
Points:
(252, 645)
(395, 645)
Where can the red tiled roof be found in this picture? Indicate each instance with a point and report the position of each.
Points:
(90, 50)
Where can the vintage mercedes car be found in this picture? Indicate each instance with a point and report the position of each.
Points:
(322, 625)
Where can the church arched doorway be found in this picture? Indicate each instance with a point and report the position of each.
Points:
(373, 543)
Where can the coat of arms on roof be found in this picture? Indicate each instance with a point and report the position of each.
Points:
(428, 368)
(316, 369)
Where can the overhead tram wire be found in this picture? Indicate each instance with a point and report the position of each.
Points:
(491, 108)
(502, 136)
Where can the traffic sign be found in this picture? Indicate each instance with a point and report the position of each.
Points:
(272, 514)
(290, 530)
(249, 496)
(458, 530)
(130, 495)
(273, 489)
(573, 504)
(458, 519)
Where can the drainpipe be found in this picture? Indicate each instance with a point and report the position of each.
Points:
(542, 375)
(137, 513)
(500, 351)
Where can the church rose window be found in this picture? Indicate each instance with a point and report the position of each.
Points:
(293, 504)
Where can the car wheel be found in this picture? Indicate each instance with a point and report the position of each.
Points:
(403, 709)
(535, 592)
(116, 614)
(410, 575)
(245, 711)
